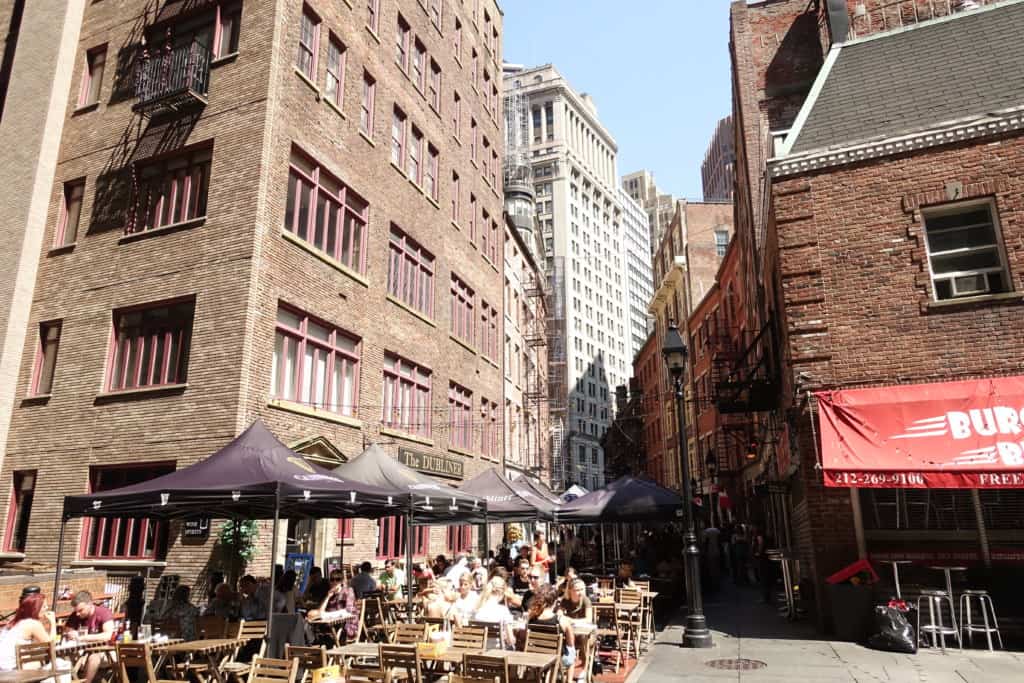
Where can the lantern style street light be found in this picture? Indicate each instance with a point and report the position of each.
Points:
(696, 633)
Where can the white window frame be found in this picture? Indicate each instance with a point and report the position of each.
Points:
(960, 207)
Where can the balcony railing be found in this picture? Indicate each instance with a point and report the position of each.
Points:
(878, 16)
(173, 79)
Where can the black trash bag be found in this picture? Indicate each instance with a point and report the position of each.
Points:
(892, 633)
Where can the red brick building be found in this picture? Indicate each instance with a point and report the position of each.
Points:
(879, 244)
(288, 211)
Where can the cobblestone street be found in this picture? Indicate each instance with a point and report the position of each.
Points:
(744, 628)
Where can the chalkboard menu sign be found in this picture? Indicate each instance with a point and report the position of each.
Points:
(196, 530)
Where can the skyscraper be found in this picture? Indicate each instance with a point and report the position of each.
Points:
(580, 214)
(660, 206)
(717, 170)
(639, 284)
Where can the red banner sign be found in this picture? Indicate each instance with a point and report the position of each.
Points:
(966, 434)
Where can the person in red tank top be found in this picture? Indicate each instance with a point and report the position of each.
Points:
(539, 552)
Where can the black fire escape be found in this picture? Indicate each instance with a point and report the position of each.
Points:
(172, 77)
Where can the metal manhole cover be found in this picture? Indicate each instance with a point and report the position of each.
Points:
(736, 664)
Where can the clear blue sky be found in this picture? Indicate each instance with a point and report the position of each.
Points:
(658, 71)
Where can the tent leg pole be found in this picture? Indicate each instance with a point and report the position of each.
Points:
(408, 563)
(273, 561)
(60, 560)
(604, 560)
(487, 540)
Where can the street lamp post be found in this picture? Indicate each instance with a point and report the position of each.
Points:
(696, 633)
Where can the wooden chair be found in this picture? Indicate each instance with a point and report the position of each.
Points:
(246, 632)
(644, 586)
(372, 622)
(546, 640)
(139, 657)
(469, 638)
(609, 629)
(408, 634)
(402, 662)
(605, 583)
(362, 674)
(436, 623)
(168, 627)
(493, 633)
(633, 619)
(36, 656)
(485, 668)
(265, 670)
(212, 626)
(309, 658)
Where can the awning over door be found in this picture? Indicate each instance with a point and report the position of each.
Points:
(967, 434)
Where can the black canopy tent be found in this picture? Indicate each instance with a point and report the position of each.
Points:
(627, 499)
(539, 489)
(255, 476)
(430, 502)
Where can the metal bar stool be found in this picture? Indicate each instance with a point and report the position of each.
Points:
(967, 623)
(938, 631)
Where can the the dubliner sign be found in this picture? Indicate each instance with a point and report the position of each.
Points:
(967, 434)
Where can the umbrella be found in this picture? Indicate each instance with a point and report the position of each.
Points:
(626, 499)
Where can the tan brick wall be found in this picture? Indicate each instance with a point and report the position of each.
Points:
(238, 265)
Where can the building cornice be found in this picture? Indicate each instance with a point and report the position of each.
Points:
(673, 279)
(998, 123)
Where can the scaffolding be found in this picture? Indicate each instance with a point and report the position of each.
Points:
(517, 170)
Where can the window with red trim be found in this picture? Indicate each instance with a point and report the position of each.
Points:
(485, 233)
(373, 14)
(171, 191)
(472, 218)
(402, 44)
(406, 395)
(324, 212)
(430, 171)
(315, 363)
(46, 358)
(434, 87)
(20, 511)
(309, 43)
(488, 330)
(455, 197)
(419, 65)
(124, 538)
(463, 316)
(92, 76)
(460, 538)
(345, 527)
(460, 416)
(151, 346)
(410, 273)
(456, 114)
(334, 86)
(70, 213)
(391, 536)
(228, 24)
(366, 105)
(414, 156)
(398, 134)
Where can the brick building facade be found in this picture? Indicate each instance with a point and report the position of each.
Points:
(301, 223)
(840, 189)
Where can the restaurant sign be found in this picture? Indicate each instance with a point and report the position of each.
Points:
(196, 529)
(967, 434)
(440, 465)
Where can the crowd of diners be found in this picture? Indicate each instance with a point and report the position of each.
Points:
(520, 587)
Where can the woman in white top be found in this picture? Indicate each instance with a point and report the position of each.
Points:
(25, 627)
(493, 610)
(466, 603)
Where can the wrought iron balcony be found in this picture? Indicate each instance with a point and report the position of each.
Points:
(173, 78)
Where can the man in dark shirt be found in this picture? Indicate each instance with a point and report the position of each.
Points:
(524, 583)
(89, 623)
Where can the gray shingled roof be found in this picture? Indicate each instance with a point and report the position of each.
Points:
(911, 80)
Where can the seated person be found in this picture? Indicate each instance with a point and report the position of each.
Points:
(254, 599)
(223, 604)
(438, 599)
(284, 593)
(492, 609)
(466, 602)
(520, 585)
(316, 588)
(576, 604)
(566, 580)
(391, 580)
(339, 597)
(479, 573)
(89, 623)
(26, 626)
(183, 614)
(542, 612)
(363, 583)
(624, 578)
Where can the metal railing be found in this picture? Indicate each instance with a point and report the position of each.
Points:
(871, 17)
(173, 76)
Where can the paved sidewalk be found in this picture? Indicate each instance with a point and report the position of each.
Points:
(743, 628)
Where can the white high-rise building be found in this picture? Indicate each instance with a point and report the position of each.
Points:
(639, 285)
(579, 211)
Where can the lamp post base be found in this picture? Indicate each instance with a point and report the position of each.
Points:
(696, 634)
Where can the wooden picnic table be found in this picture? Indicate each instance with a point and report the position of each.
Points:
(332, 622)
(31, 675)
(208, 649)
